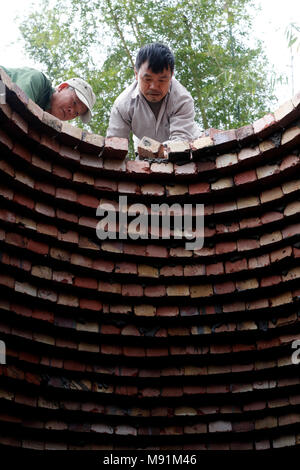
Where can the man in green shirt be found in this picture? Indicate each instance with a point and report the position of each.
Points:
(70, 99)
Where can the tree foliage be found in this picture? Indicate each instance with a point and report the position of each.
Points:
(217, 58)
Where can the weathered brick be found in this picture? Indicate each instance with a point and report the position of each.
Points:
(271, 194)
(248, 152)
(263, 123)
(235, 266)
(178, 290)
(150, 148)
(227, 159)
(224, 287)
(245, 177)
(115, 147)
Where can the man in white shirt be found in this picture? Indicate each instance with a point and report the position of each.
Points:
(156, 105)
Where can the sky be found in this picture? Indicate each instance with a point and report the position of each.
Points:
(269, 26)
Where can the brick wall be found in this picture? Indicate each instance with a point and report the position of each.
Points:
(133, 344)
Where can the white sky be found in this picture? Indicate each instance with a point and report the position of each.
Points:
(270, 25)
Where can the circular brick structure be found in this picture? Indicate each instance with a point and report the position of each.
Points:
(143, 344)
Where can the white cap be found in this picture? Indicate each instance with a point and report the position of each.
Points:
(86, 95)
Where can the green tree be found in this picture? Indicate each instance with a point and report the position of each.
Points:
(98, 40)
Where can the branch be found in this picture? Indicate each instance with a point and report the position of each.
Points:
(115, 20)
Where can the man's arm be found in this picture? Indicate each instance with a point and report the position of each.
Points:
(118, 126)
(182, 121)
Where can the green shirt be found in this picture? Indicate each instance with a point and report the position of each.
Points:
(34, 83)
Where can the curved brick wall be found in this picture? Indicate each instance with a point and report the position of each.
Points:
(142, 344)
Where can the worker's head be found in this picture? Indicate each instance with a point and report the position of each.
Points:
(154, 68)
(73, 98)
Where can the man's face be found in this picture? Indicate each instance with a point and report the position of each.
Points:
(65, 104)
(154, 86)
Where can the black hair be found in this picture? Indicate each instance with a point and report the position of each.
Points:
(158, 56)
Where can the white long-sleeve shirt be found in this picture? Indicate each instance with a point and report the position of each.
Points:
(175, 120)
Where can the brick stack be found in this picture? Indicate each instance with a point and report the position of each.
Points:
(133, 344)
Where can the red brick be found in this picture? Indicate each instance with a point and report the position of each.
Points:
(270, 217)
(263, 123)
(126, 268)
(235, 266)
(7, 168)
(62, 172)
(244, 132)
(69, 153)
(224, 288)
(178, 290)
(223, 137)
(44, 209)
(186, 169)
(214, 269)
(86, 282)
(155, 291)
(259, 262)
(136, 166)
(103, 265)
(296, 252)
(271, 195)
(90, 304)
(172, 391)
(134, 351)
(226, 159)
(38, 247)
(67, 194)
(52, 122)
(153, 189)
(150, 148)
(225, 247)
(132, 290)
(177, 149)
(246, 284)
(220, 426)
(113, 288)
(270, 281)
(248, 152)
(289, 161)
(168, 271)
(162, 168)
(169, 311)
(156, 251)
(7, 281)
(105, 184)
(90, 161)
(291, 230)
(22, 152)
(245, 177)
(20, 94)
(43, 315)
(6, 140)
(194, 270)
(247, 244)
(81, 260)
(24, 200)
(199, 188)
(203, 166)
(45, 188)
(281, 254)
(41, 164)
(50, 143)
(128, 187)
(115, 147)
